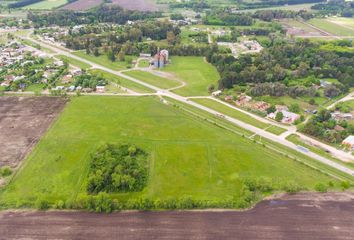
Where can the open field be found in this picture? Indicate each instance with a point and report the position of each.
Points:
(140, 5)
(123, 82)
(295, 7)
(47, 5)
(104, 61)
(346, 22)
(315, 216)
(188, 156)
(300, 29)
(238, 115)
(81, 5)
(74, 62)
(23, 120)
(153, 79)
(333, 28)
(195, 72)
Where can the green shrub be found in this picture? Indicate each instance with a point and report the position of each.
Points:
(42, 204)
(320, 187)
(5, 171)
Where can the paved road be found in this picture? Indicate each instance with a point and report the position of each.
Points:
(185, 100)
(302, 216)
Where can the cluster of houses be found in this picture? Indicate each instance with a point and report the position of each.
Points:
(244, 47)
(288, 117)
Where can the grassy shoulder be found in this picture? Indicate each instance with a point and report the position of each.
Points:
(195, 72)
(73, 62)
(122, 82)
(331, 27)
(238, 115)
(190, 158)
(104, 61)
(153, 79)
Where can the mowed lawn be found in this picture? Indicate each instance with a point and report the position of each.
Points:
(104, 61)
(331, 27)
(238, 115)
(188, 156)
(47, 4)
(153, 79)
(195, 72)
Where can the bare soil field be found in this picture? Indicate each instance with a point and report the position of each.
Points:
(140, 5)
(82, 5)
(23, 120)
(300, 29)
(301, 216)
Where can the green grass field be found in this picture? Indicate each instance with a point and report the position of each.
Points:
(46, 5)
(104, 61)
(331, 27)
(153, 79)
(188, 156)
(195, 72)
(122, 81)
(74, 62)
(238, 115)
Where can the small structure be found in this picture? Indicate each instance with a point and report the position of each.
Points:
(100, 89)
(146, 55)
(216, 93)
(349, 142)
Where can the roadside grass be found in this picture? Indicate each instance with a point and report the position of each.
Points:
(46, 5)
(293, 7)
(122, 81)
(349, 22)
(238, 115)
(37, 87)
(35, 45)
(188, 156)
(195, 72)
(143, 63)
(153, 79)
(331, 27)
(73, 62)
(104, 61)
(296, 139)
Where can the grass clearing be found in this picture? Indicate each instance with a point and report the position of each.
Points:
(123, 81)
(46, 5)
(73, 62)
(104, 61)
(189, 156)
(195, 72)
(238, 115)
(331, 27)
(153, 79)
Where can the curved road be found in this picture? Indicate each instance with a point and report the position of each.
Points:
(162, 92)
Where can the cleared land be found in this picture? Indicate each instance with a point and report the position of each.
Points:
(104, 61)
(195, 72)
(238, 115)
(189, 156)
(74, 62)
(140, 5)
(123, 82)
(47, 4)
(153, 79)
(23, 120)
(82, 5)
(333, 28)
(302, 216)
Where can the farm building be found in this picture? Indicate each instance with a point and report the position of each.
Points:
(349, 142)
(160, 59)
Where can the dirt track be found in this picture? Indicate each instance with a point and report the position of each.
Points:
(22, 122)
(303, 216)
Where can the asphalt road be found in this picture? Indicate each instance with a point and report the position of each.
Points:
(185, 100)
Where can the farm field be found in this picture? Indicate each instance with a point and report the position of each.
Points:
(295, 7)
(74, 62)
(122, 81)
(238, 115)
(348, 22)
(104, 61)
(331, 27)
(140, 5)
(188, 157)
(195, 72)
(82, 5)
(46, 5)
(153, 79)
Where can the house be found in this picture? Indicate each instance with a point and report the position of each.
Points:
(67, 78)
(71, 88)
(76, 72)
(261, 106)
(145, 55)
(228, 98)
(349, 142)
(339, 128)
(339, 116)
(216, 93)
(289, 117)
(324, 83)
(243, 99)
(100, 89)
(281, 108)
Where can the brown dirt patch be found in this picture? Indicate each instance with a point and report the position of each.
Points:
(300, 216)
(82, 5)
(23, 120)
(140, 5)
